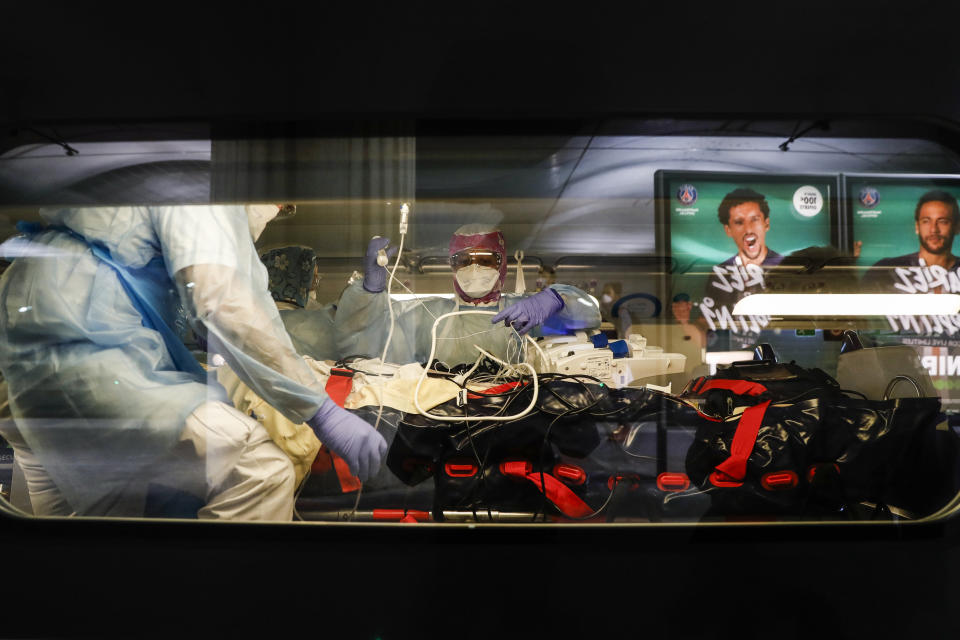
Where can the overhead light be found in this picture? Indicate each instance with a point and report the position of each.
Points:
(848, 304)
(416, 296)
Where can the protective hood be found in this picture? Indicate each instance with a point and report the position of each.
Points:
(480, 236)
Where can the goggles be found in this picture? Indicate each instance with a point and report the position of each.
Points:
(481, 257)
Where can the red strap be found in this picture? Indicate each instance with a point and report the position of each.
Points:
(338, 388)
(558, 493)
(348, 482)
(474, 395)
(730, 472)
(323, 462)
(739, 387)
(327, 459)
(339, 385)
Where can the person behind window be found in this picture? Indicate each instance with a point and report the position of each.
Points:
(112, 414)
(478, 261)
(936, 219)
(294, 274)
(610, 294)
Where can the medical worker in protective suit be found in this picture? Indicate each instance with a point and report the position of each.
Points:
(293, 278)
(113, 416)
(478, 259)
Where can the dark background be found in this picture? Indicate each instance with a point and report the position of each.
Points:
(457, 64)
(64, 61)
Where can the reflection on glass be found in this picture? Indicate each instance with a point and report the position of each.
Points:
(449, 331)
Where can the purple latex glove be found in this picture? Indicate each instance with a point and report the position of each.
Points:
(350, 437)
(375, 275)
(530, 312)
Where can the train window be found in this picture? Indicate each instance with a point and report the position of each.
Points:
(629, 322)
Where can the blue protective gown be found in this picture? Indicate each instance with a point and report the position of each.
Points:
(311, 331)
(94, 392)
(362, 323)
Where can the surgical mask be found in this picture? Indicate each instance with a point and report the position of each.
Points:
(258, 215)
(606, 298)
(477, 281)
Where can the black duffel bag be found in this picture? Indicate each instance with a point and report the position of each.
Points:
(559, 461)
(779, 439)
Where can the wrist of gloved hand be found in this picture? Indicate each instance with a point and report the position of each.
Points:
(558, 299)
(375, 279)
(530, 312)
(350, 437)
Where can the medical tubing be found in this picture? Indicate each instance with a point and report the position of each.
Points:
(433, 350)
(386, 345)
(544, 362)
(417, 299)
(546, 378)
(404, 213)
(461, 379)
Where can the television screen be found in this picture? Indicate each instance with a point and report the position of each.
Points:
(905, 225)
(728, 232)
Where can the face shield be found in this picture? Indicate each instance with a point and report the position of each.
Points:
(476, 256)
(478, 260)
(476, 270)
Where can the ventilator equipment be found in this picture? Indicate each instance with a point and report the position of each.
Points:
(619, 363)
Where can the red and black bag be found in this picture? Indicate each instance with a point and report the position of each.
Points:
(780, 439)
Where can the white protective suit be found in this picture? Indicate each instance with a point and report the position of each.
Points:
(96, 396)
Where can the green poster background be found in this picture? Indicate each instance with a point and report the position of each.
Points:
(887, 228)
(697, 236)
(697, 240)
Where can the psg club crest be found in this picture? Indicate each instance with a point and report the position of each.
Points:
(687, 194)
(869, 197)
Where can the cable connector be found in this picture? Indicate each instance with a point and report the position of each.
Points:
(404, 213)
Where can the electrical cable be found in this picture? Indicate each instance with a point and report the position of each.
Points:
(572, 410)
(520, 389)
(433, 349)
(617, 478)
(481, 465)
(549, 381)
